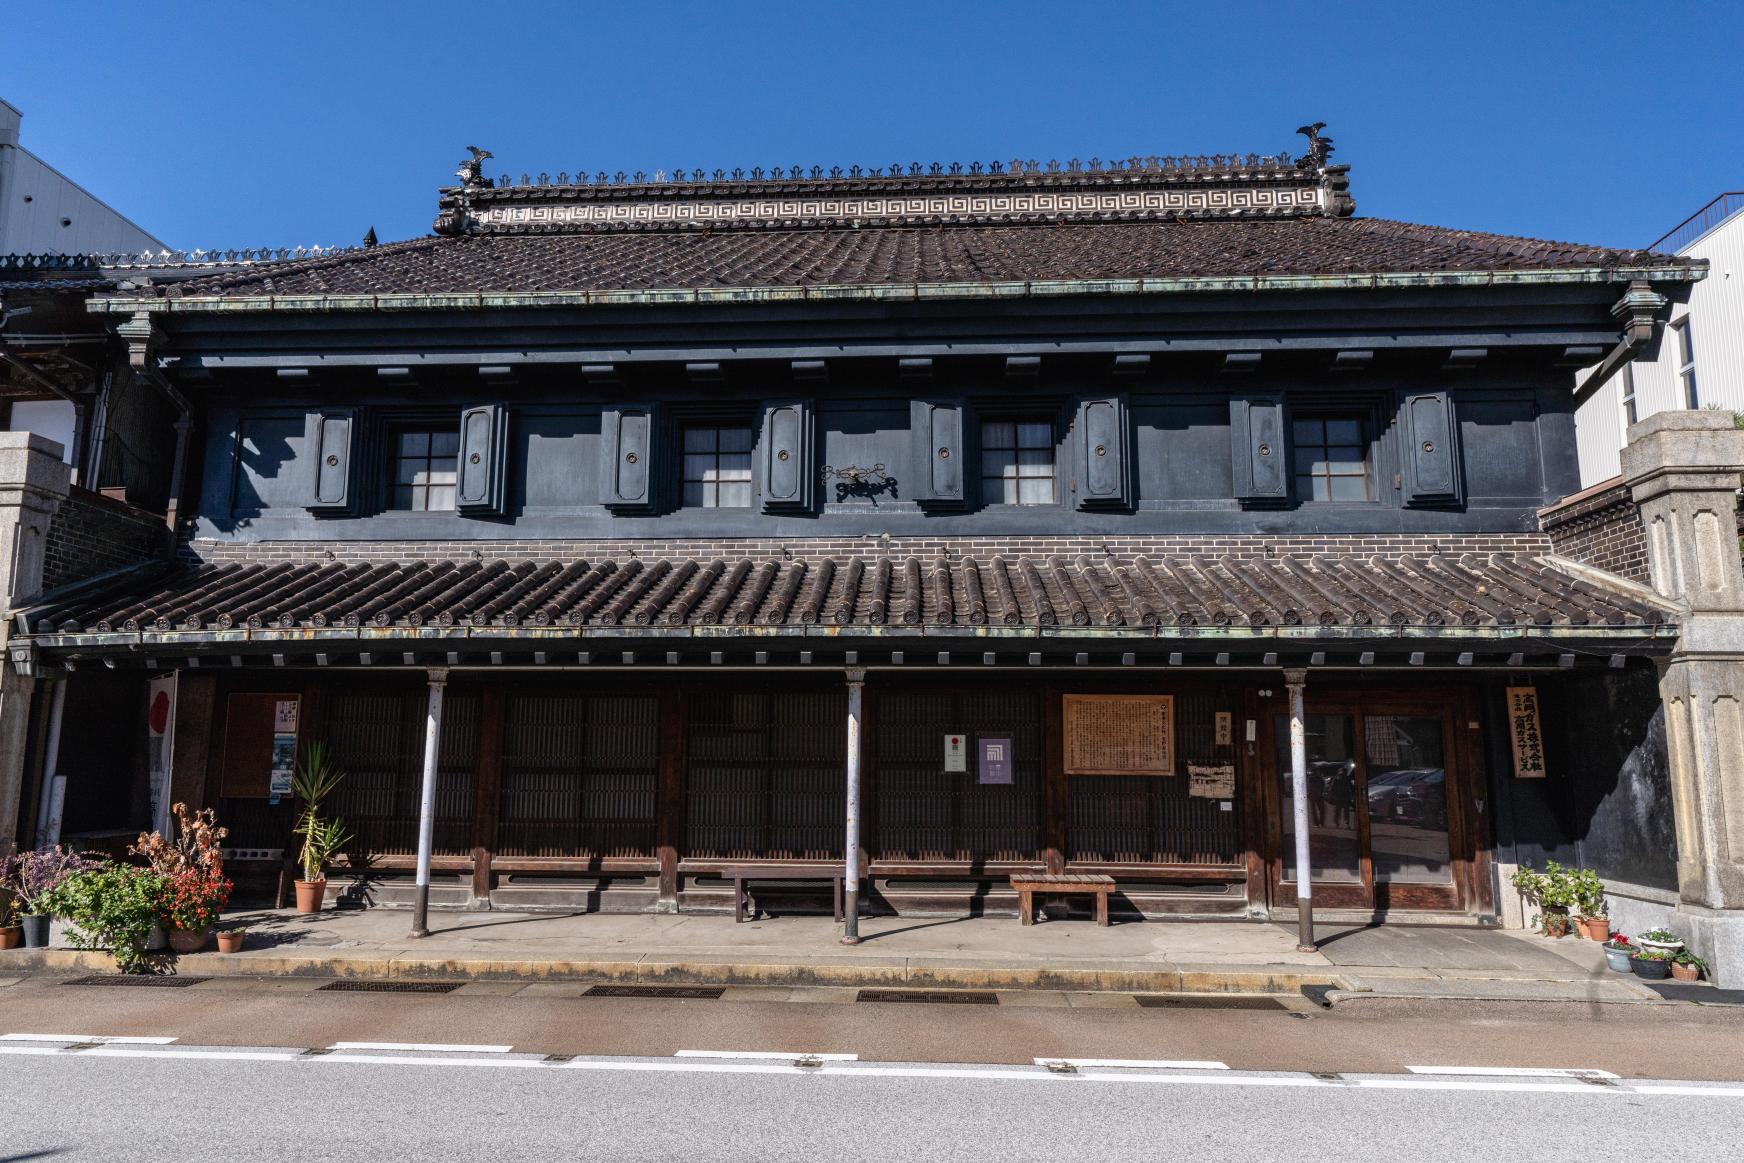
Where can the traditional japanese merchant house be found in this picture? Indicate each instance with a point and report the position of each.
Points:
(1003, 516)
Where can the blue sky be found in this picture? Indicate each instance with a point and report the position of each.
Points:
(232, 124)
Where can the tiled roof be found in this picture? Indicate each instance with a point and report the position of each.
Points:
(895, 593)
(636, 261)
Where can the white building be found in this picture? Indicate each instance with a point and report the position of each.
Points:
(42, 211)
(1698, 359)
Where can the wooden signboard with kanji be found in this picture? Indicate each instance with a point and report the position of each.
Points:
(1524, 733)
(1120, 734)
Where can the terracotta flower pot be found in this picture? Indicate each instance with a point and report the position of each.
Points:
(1685, 972)
(230, 941)
(1595, 928)
(11, 937)
(188, 940)
(311, 894)
(1555, 923)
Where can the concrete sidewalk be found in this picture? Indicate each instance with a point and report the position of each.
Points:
(910, 952)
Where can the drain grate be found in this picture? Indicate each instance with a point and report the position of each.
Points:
(699, 992)
(122, 979)
(349, 986)
(954, 997)
(1207, 1002)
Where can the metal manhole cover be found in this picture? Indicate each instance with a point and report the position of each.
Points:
(937, 996)
(703, 992)
(123, 979)
(391, 987)
(1200, 1002)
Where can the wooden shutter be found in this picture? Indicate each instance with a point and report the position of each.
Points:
(1430, 458)
(1259, 449)
(630, 441)
(1104, 454)
(788, 444)
(328, 438)
(936, 435)
(484, 433)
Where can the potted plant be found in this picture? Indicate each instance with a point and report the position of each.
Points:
(1589, 904)
(1552, 890)
(1686, 966)
(323, 838)
(230, 940)
(11, 932)
(1617, 951)
(1653, 964)
(113, 907)
(31, 878)
(1661, 939)
(192, 867)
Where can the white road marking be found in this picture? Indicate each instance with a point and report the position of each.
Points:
(1525, 1085)
(101, 1039)
(432, 1048)
(1133, 1063)
(773, 1055)
(1514, 1071)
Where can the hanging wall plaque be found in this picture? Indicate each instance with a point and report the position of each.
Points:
(1524, 733)
(1120, 734)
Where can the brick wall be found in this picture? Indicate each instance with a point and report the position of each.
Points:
(1601, 527)
(92, 534)
(1122, 548)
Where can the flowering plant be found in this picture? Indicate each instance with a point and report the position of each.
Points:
(198, 844)
(194, 897)
(31, 876)
(1618, 941)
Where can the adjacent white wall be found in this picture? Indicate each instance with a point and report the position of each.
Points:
(1716, 318)
(42, 211)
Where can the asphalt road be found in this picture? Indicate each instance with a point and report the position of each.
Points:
(245, 1069)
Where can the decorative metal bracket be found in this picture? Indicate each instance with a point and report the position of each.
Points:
(854, 481)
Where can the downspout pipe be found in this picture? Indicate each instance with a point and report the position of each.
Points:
(1638, 310)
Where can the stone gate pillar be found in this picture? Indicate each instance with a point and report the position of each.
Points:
(1683, 470)
(33, 483)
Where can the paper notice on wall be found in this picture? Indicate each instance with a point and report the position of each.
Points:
(995, 765)
(284, 749)
(1120, 734)
(1213, 781)
(956, 753)
(160, 730)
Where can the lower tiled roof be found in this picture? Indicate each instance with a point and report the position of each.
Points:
(877, 255)
(895, 593)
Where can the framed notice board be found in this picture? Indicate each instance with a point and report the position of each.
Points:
(1120, 734)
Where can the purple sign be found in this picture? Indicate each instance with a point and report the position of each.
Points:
(995, 760)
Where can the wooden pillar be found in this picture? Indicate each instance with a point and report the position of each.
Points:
(669, 800)
(191, 748)
(1055, 803)
(487, 783)
(427, 801)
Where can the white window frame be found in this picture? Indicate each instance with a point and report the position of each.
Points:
(1686, 363)
(1631, 413)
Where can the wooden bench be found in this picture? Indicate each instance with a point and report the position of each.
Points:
(1029, 884)
(747, 874)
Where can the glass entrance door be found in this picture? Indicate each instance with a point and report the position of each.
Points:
(1381, 807)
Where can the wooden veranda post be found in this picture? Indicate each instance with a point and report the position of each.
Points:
(851, 846)
(427, 801)
(1295, 681)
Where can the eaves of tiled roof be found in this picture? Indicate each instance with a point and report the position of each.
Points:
(1325, 597)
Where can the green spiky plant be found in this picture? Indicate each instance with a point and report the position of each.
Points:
(315, 780)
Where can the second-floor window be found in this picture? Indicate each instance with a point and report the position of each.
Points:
(1017, 462)
(426, 462)
(1686, 362)
(717, 467)
(1630, 412)
(1332, 459)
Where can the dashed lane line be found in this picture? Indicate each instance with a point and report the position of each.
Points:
(1513, 1071)
(95, 1039)
(1132, 1064)
(772, 1055)
(423, 1047)
(1536, 1084)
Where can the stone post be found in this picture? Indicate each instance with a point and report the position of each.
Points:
(1683, 470)
(33, 483)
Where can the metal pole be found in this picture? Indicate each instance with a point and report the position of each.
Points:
(427, 802)
(851, 849)
(1294, 681)
(46, 813)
